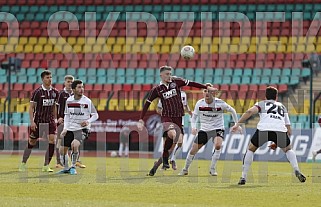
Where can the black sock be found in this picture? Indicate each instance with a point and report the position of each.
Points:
(49, 153)
(27, 152)
(167, 146)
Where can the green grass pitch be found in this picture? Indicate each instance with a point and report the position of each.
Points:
(123, 182)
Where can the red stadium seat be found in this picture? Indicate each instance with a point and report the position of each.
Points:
(108, 87)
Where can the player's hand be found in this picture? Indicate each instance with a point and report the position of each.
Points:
(140, 124)
(63, 133)
(84, 123)
(273, 146)
(212, 89)
(194, 131)
(33, 126)
(190, 113)
(236, 128)
(60, 120)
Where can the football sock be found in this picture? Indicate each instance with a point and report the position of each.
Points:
(64, 160)
(49, 153)
(189, 160)
(215, 157)
(74, 156)
(292, 159)
(58, 156)
(319, 151)
(120, 151)
(168, 144)
(27, 152)
(247, 161)
(176, 152)
(126, 150)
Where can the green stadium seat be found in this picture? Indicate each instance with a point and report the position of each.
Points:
(208, 72)
(275, 80)
(31, 79)
(226, 79)
(215, 80)
(179, 72)
(294, 80)
(150, 72)
(286, 72)
(91, 72)
(228, 71)
(101, 72)
(218, 72)
(276, 72)
(246, 80)
(265, 80)
(305, 72)
(140, 79)
(119, 72)
(296, 72)
(285, 80)
(189, 74)
(257, 72)
(82, 72)
(236, 79)
(247, 72)
(267, 72)
(237, 72)
(256, 80)
(91, 80)
(61, 72)
(71, 71)
(22, 79)
(139, 72)
(101, 79)
(2, 72)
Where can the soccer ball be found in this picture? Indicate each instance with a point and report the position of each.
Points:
(113, 154)
(187, 52)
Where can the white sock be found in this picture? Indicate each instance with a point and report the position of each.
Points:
(74, 156)
(120, 151)
(247, 161)
(189, 160)
(64, 161)
(215, 157)
(176, 152)
(126, 150)
(292, 159)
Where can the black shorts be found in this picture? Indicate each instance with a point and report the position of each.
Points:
(43, 130)
(281, 139)
(203, 136)
(79, 135)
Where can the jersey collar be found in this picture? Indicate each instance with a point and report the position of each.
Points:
(45, 88)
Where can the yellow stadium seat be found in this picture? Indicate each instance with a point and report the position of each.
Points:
(140, 40)
(90, 41)
(214, 49)
(197, 41)
(42, 40)
(80, 41)
(245, 40)
(271, 48)
(176, 49)
(223, 48)
(156, 48)
(252, 49)
(284, 40)
(281, 48)
(300, 48)
(101, 40)
(48, 49)
(207, 40)
(3, 40)
(77, 48)
(38, 49)
(146, 49)
(113, 104)
(19, 48)
(165, 49)
(310, 48)
(72, 40)
(159, 41)
(87, 48)
(168, 41)
(180, 41)
(32, 40)
(234, 49)
(244, 48)
(149, 41)
(23, 40)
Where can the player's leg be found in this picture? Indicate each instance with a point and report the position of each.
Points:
(32, 141)
(256, 141)
(178, 148)
(58, 162)
(315, 153)
(79, 163)
(160, 160)
(200, 140)
(120, 150)
(171, 135)
(74, 155)
(126, 149)
(26, 153)
(49, 153)
(283, 141)
(64, 157)
(84, 135)
(218, 140)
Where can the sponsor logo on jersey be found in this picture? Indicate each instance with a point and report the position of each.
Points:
(48, 102)
(77, 113)
(169, 94)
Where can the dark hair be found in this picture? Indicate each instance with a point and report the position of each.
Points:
(165, 67)
(75, 83)
(44, 73)
(271, 93)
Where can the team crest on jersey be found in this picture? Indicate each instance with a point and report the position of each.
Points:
(172, 85)
(54, 95)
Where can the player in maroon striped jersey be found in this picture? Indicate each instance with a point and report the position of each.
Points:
(169, 92)
(43, 117)
(63, 95)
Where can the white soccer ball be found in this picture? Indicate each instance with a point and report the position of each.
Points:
(113, 154)
(187, 52)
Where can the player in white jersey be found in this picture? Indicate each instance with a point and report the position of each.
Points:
(209, 111)
(79, 114)
(178, 147)
(316, 152)
(274, 125)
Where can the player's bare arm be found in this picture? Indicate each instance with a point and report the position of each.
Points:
(31, 115)
(250, 112)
